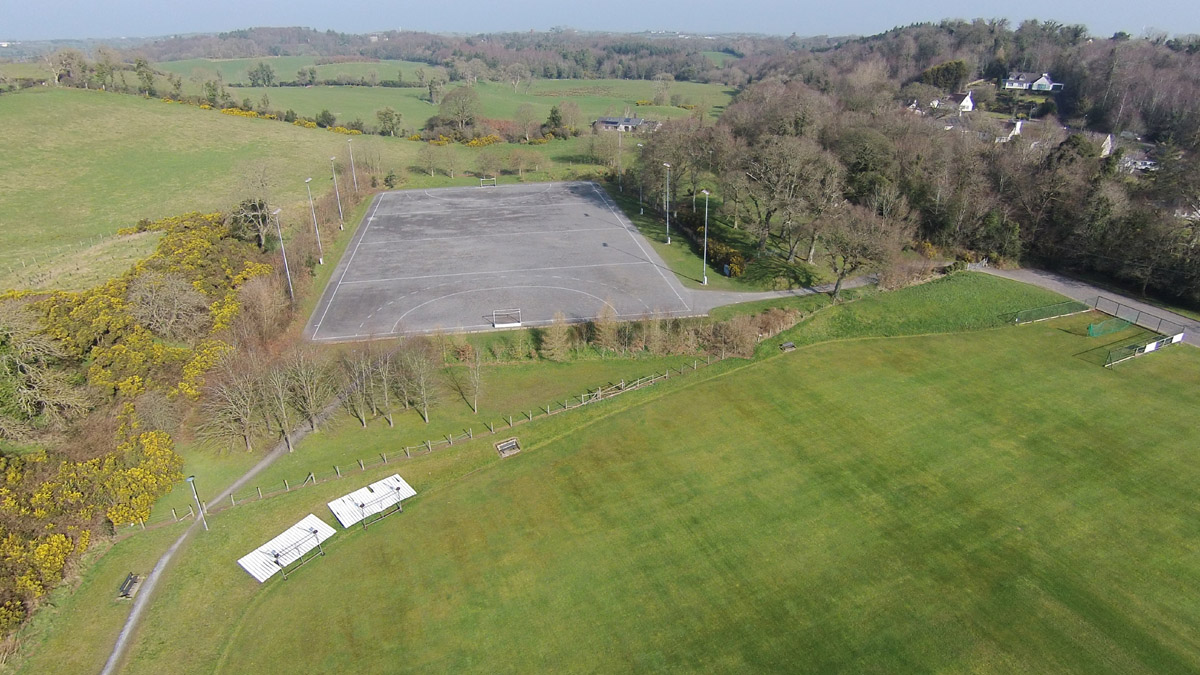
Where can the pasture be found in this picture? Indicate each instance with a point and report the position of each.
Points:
(985, 500)
(595, 98)
(231, 71)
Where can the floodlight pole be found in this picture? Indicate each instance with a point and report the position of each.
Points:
(353, 173)
(704, 260)
(641, 179)
(317, 230)
(620, 181)
(192, 481)
(337, 193)
(667, 200)
(283, 249)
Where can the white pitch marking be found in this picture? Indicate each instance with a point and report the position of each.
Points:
(496, 234)
(468, 274)
(497, 288)
(607, 202)
(317, 328)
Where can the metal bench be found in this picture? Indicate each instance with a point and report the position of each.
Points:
(788, 346)
(508, 446)
(129, 586)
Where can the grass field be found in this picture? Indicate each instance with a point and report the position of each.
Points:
(499, 101)
(195, 71)
(981, 501)
(111, 160)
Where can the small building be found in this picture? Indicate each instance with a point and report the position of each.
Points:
(622, 124)
(1011, 130)
(1031, 82)
(962, 102)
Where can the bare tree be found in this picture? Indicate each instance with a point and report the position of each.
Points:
(168, 304)
(276, 393)
(386, 372)
(420, 372)
(310, 383)
(36, 393)
(231, 409)
(357, 368)
(860, 238)
(527, 120)
(475, 379)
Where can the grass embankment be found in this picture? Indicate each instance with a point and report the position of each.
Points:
(934, 502)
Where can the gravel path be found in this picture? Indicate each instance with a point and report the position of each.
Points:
(1083, 291)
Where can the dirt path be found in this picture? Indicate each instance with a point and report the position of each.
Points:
(1083, 291)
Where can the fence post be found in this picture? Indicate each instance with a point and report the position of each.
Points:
(530, 415)
(360, 466)
(490, 427)
(406, 454)
(338, 470)
(384, 456)
(191, 512)
(469, 434)
(450, 439)
(286, 487)
(428, 447)
(142, 522)
(259, 492)
(231, 502)
(174, 515)
(510, 420)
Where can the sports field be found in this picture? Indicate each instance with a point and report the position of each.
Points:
(987, 501)
(449, 258)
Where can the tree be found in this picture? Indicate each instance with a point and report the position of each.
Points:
(860, 237)
(571, 115)
(67, 65)
(358, 368)
(262, 75)
(168, 304)
(475, 379)
(515, 73)
(527, 120)
(420, 372)
(554, 339)
(306, 77)
(605, 329)
(555, 120)
(36, 391)
(389, 121)
(145, 75)
(949, 76)
(522, 159)
(326, 119)
(460, 106)
(487, 163)
(275, 392)
(310, 383)
(427, 158)
(662, 88)
(231, 409)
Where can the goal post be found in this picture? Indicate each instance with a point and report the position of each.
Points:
(487, 182)
(506, 318)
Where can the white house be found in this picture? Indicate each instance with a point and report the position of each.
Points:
(1031, 82)
(963, 102)
(623, 124)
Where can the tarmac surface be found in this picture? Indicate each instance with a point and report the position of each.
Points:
(446, 259)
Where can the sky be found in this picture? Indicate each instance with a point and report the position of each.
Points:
(50, 19)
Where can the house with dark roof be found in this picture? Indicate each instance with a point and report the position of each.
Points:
(623, 124)
(1031, 82)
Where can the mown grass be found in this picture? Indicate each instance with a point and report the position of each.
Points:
(936, 502)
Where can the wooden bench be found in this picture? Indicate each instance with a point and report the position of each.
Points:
(788, 346)
(129, 586)
(508, 446)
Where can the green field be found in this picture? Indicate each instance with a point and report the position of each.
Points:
(196, 71)
(115, 159)
(986, 501)
(595, 98)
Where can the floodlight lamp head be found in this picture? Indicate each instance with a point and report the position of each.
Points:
(308, 180)
(704, 192)
(332, 159)
(667, 164)
(276, 212)
(191, 479)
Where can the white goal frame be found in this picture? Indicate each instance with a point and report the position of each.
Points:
(506, 318)
(483, 182)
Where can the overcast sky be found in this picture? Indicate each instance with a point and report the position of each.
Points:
(48, 19)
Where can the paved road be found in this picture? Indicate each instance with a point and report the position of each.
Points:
(703, 302)
(1083, 291)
